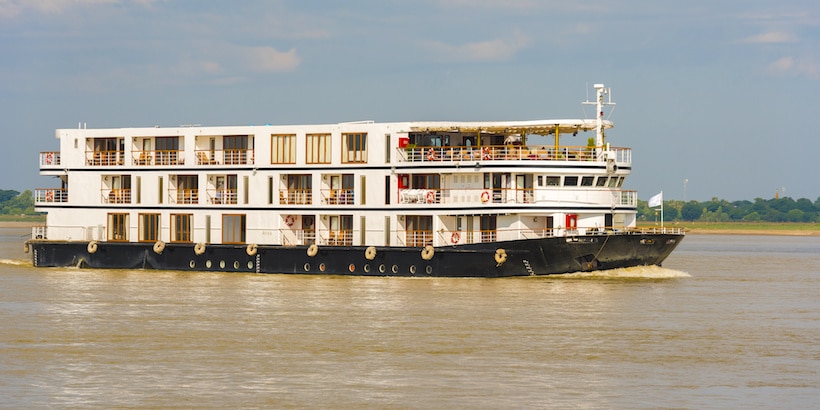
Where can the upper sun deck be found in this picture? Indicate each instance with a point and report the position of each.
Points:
(342, 143)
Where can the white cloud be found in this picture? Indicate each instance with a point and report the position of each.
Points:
(500, 49)
(269, 59)
(789, 66)
(772, 37)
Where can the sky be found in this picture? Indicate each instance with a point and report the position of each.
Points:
(713, 97)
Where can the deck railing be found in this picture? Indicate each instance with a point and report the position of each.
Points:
(158, 157)
(116, 196)
(104, 158)
(184, 196)
(224, 157)
(295, 197)
(221, 196)
(511, 153)
(50, 195)
(338, 196)
(50, 158)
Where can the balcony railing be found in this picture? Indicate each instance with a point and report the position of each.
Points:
(295, 197)
(104, 158)
(49, 159)
(50, 195)
(512, 153)
(158, 157)
(221, 196)
(184, 196)
(224, 157)
(338, 196)
(116, 196)
(461, 195)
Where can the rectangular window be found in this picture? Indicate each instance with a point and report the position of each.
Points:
(148, 227)
(187, 189)
(341, 230)
(601, 182)
(299, 190)
(587, 181)
(118, 227)
(488, 228)
(553, 181)
(181, 227)
(613, 182)
(354, 148)
(233, 228)
(167, 150)
(283, 149)
(570, 181)
(540, 180)
(318, 149)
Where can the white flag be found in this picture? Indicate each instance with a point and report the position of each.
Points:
(656, 200)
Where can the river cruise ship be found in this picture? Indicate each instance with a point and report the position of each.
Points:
(456, 199)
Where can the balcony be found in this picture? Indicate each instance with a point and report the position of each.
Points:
(116, 196)
(50, 159)
(50, 195)
(158, 157)
(184, 196)
(221, 196)
(338, 196)
(104, 158)
(224, 157)
(295, 197)
(461, 195)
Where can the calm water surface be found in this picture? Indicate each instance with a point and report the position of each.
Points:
(729, 322)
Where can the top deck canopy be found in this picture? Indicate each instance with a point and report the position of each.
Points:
(537, 127)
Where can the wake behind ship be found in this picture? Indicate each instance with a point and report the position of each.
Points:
(488, 199)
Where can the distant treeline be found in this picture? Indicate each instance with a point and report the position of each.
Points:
(14, 203)
(720, 210)
(716, 210)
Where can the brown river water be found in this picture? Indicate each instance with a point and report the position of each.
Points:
(728, 322)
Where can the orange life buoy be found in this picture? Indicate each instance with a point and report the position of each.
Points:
(49, 158)
(485, 154)
(289, 220)
(431, 197)
(485, 196)
(431, 155)
(455, 237)
(49, 196)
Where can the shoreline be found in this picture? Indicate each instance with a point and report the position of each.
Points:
(689, 231)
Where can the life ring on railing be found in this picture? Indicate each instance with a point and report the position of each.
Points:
(289, 220)
(485, 154)
(500, 257)
(49, 196)
(428, 252)
(455, 237)
(485, 196)
(159, 246)
(431, 154)
(312, 250)
(49, 158)
(370, 253)
(92, 247)
(431, 197)
(199, 248)
(251, 249)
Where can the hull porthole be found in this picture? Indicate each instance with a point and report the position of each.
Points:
(366, 268)
(351, 268)
(394, 269)
(307, 267)
(222, 264)
(412, 269)
(381, 268)
(322, 267)
(428, 269)
(250, 265)
(191, 264)
(208, 264)
(236, 264)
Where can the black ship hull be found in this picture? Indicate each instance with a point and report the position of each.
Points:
(526, 257)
